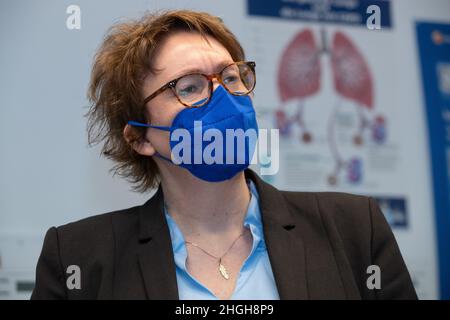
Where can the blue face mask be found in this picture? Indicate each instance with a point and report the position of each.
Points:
(224, 111)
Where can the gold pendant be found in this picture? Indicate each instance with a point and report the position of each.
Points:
(223, 271)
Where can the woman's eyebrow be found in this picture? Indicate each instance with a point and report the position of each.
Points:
(218, 68)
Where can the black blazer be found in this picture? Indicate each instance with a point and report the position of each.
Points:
(319, 245)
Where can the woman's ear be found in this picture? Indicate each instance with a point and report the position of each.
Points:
(139, 143)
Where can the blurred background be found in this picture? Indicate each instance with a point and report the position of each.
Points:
(360, 91)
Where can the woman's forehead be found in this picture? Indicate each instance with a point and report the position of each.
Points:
(182, 52)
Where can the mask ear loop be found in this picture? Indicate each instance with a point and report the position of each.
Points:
(162, 157)
(140, 124)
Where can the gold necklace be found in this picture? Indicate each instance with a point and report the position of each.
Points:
(222, 269)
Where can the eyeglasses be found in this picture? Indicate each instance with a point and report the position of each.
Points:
(195, 89)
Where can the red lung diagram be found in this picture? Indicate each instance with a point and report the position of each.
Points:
(299, 72)
(351, 74)
(299, 69)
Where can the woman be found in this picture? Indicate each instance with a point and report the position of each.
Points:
(211, 231)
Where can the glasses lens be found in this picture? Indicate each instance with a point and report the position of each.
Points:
(239, 78)
(193, 89)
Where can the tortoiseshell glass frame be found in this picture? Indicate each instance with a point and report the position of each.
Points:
(171, 84)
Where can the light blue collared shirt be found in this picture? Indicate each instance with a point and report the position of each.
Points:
(255, 279)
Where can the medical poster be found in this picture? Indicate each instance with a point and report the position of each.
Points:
(325, 81)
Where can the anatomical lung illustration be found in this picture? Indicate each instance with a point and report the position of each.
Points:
(299, 78)
(351, 73)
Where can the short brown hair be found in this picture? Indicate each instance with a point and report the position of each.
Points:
(115, 96)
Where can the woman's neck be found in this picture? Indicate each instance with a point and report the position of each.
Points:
(203, 209)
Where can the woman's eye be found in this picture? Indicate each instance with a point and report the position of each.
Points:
(187, 91)
(230, 79)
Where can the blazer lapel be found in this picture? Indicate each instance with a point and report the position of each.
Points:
(283, 241)
(155, 253)
(284, 245)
